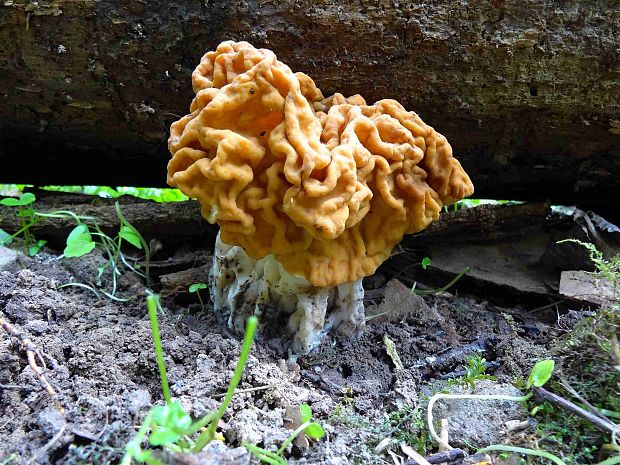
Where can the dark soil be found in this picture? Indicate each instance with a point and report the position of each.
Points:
(99, 358)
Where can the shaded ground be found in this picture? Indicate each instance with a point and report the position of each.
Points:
(100, 360)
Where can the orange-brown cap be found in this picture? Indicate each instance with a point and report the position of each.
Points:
(329, 186)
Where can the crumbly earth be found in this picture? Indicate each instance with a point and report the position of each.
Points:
(99, 358)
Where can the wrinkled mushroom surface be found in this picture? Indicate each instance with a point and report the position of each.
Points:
(326, 186)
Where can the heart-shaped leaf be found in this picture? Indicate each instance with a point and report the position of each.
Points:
(314, 431)
(25, 199)
(130, 234)
(541, 373)
(79, 242)
(172, 416)
(197, 286)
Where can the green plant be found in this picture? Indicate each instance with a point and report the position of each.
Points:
(28, 218)
(407, 425)
(8, 460)
(196, 288)
(441, 289)
(540, 374)
(475, 368)
(151, 305)
(168, 425)
(310, 428)
(149, 193)
(83, 239)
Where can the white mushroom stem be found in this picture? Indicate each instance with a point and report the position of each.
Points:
(243, 286)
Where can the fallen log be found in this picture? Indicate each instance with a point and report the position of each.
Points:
(173, 223)
(527, 95)
(510, 250)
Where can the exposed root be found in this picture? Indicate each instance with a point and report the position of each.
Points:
(32, 353)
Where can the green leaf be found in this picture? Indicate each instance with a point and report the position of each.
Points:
(172, 416)
(197, 286)
(130, 235)
(426, 261)
(34, 249)
(164, 436)
(314, 431)
(541, 373)
(25, 199)
(79, 242)
(306, 413)
(5, 237)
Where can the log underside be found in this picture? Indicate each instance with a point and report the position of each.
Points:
(527, 92)
(511, 251)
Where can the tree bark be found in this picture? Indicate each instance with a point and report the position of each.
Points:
(527, 92)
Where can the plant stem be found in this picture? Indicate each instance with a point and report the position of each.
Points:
(447, 286)
(292, 437)
(522, 450)
(151, 304)
(209, 433)
(436, 397)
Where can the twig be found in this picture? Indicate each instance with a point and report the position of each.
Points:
(417, 459)
(6, 422)
(31, 350)
(20, 387)
(442, 457)
(600, 423)
(105, 409)
(443, 434)
(545, 307)
(581, 399)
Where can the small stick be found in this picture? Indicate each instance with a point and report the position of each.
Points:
(442, 457)
(416, 459)
(443, 435)
(104, 408)
(600, 423)
(572, 391)
(20, 387)
(31, 350)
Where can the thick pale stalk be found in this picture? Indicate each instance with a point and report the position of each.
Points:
(242, 286)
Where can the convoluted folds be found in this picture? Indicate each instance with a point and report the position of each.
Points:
(327, 185)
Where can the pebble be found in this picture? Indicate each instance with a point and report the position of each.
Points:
(8, 259)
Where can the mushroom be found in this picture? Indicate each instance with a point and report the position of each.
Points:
(310, 193)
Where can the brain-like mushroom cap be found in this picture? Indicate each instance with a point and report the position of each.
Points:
(328, 185)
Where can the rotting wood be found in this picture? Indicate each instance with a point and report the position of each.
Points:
(511, 250)
(583, 287)
(177, 283)
(171, 223)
